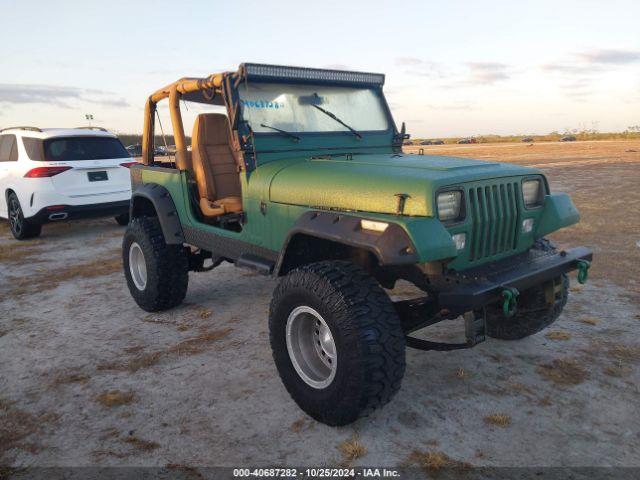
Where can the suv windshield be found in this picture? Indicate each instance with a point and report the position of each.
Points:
(83, 148)
(294, 108)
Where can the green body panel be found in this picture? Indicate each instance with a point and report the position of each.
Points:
(365, 187)
(370, 183)
(559, 212)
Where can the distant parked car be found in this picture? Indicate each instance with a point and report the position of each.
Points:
(568, 138)
(56, 174)
(464, 141)
(426, 142)
(527, 139)
(135, 150)
(437, 142)
(408, 142)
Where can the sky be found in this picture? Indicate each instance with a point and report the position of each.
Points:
(453, 68)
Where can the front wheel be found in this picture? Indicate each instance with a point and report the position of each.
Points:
(21, 228)
(157, 274)
(337, 341)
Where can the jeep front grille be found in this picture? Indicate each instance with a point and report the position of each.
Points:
(494, 213)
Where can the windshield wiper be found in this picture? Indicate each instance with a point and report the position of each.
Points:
(282, 132)
(332, 115)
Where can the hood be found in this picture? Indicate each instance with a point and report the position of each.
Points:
(371, 182)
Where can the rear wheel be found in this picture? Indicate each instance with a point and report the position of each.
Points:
(337, 341)
(157, 274)
(122, 219)
(21, 228)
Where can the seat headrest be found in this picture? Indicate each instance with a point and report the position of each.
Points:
(210, 129)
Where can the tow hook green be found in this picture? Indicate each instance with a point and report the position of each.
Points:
(509, 301)
(583, 270)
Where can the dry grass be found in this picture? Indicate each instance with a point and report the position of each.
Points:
(17, 425)
(18, 252)
(563, 371)
(460, 373)
(115, 398)
(66, 378)
(352, 449)
(618, 370)
(590, 320)
(204, 313)
(51, 278)
(432, 461)
(139, 444)
(298, 425)
(558, 335)
(190, 346)
(498, 419)
(629, 353)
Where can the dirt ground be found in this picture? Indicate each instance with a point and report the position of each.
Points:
(87, 378)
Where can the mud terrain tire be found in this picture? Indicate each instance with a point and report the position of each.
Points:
(368, 340)
(166, 267)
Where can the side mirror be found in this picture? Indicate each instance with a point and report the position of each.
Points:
(403, 132)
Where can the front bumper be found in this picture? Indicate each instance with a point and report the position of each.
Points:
(74, 212)
(477, 288)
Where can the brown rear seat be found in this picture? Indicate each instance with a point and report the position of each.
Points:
(214, 166)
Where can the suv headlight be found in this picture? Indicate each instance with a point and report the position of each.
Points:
(531, 192)
(449, 205)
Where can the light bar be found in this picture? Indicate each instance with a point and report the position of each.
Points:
(276, 72)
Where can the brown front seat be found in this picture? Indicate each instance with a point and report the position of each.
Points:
(214, 166)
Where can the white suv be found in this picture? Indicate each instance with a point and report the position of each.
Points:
(57, 174)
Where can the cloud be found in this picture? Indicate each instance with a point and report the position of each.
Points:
(11, 93)
(409, 61)
(487, 72)
(610, 56)
(571, 68)
(421, 68)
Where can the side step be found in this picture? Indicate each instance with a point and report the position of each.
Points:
(254, 262)
(475, 331)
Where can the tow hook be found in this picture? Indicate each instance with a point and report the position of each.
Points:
(509, 301)
(583, 270)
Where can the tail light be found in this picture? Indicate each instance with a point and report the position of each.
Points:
(129, 164)
(43, 172)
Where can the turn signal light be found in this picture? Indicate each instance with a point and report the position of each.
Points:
(43, 172)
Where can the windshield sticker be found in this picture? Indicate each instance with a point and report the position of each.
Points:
(261, 104)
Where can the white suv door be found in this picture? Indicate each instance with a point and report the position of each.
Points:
(8, 162)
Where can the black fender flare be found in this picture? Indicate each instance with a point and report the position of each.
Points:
(165, 209)
(391, 247)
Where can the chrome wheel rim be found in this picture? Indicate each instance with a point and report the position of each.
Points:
(311, 347)
(137, 266)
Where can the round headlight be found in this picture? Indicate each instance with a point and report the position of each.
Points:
(449, 205)
(531, 190)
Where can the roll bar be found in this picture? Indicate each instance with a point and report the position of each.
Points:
(211, 85)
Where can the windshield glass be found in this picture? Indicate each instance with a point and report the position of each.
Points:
(293, 108)
(83, 148)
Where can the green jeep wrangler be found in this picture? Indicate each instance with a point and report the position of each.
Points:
(303, 178)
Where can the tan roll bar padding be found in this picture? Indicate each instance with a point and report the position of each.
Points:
(174, 92)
